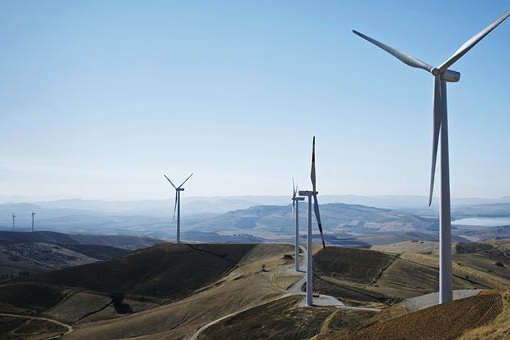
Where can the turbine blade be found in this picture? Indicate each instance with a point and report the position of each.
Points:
(403, 57)
(168, 179)
(318, 217)
(472, 42)
(180, 186)
(175, 204)
(313, 177)
(294, 189)
(438, 113)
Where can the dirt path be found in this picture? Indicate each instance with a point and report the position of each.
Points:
(295, 289)
(69, 327)
(195, 335)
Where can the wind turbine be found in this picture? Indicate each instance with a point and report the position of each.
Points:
(13, 222)
(442, 75)
(309, 259)
(177, 204)
(295, 206)
(33, 216)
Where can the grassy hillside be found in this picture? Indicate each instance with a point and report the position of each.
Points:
(446, 321)
(21, 329)
(118, 241)
(37, 236)
(218, 291)
(29, 296)
(280, 319)
(22, 259)
(98, 252)
(165, 271)
(357, 265)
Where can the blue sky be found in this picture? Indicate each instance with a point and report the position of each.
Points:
(99, 98)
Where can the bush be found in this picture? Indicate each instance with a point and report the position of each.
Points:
(119, 305)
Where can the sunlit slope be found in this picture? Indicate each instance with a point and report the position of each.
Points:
(499, 328)
(146, 278)
(446, 321)
(262, 276)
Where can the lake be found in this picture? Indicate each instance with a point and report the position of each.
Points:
(484, 221)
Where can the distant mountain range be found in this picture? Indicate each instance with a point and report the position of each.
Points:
(259, 223)
(218, 205)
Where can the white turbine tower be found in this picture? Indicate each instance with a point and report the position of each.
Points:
(33, 217)
(309, 259)
(442, 75)
(295, 206)
(177, 204)
(13, 222)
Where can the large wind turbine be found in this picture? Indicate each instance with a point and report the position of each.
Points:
(295, 206)
(177, 204)
(13, 222)
(442, 75)
(309, 259)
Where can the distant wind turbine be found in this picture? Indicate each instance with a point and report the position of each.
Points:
(33, 217)
(309, 259)
(177, 205)
(295, 206)
(13, 222)
(442, 75)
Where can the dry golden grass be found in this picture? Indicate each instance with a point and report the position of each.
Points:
(463, 270)
(28, 329)
(408, 247)
(77, 306)
(280, 319)
(499, 328)
(446, 321)
(246, 286)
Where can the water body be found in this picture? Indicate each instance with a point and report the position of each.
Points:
(484, 221)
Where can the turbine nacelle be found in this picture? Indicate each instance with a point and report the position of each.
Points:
(448, 75)
(306, 193)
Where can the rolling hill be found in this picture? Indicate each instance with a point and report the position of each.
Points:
(169, 277)
(219, 290)
(27, 253)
